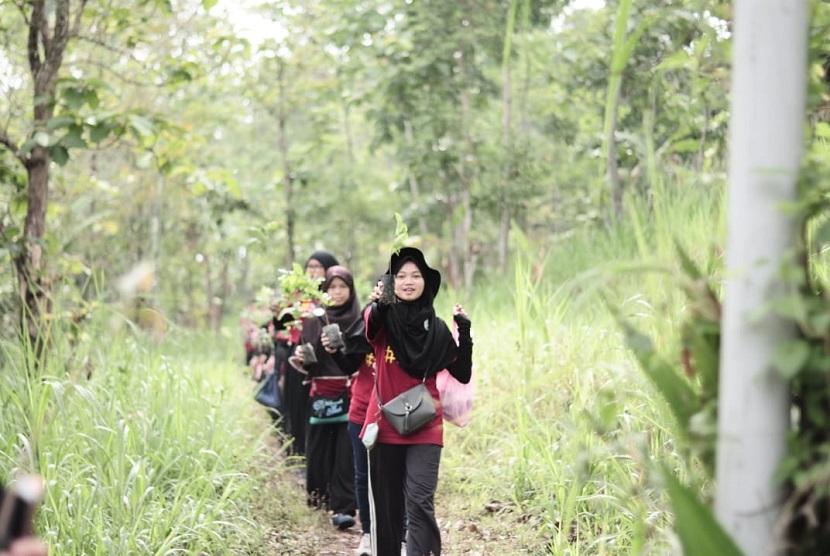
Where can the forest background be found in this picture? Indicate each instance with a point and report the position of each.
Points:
(549, 156)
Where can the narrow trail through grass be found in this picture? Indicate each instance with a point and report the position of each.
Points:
(293, 528)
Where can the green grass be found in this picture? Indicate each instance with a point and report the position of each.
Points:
(157, 448)
(150, 455)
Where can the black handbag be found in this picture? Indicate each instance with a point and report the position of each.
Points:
(268, 393)
(410, 410)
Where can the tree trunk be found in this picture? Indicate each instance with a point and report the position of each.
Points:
(766, 137)
(288, 182)
(210, 295)
(507, 143)
(701, 151)
(465, 172)
(32, 282)
(224, 293)
(155, 237)
(45, 48)
(411, 177)
(612, 173)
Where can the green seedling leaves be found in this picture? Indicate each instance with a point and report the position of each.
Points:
(401, 234)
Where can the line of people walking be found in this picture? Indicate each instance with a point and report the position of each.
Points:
(360, 400)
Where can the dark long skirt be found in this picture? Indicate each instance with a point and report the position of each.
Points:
(330, 468)
(296, 410)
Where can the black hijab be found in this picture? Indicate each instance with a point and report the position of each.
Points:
(324, 258)
(344, 315)
(422, 342)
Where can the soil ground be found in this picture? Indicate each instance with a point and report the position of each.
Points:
(295, 529)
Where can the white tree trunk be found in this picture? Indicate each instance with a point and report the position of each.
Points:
(766, 135)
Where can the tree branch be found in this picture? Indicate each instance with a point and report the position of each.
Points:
(35, 23)
(76, 27)
(60, 37)
(22, 7)
(108, 68)
(10, 144)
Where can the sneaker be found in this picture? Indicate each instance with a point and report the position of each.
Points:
(365, 546)
(342, 521)
(403, 549)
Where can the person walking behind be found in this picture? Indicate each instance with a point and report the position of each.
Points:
(295, 387)
(357, 348)
(329, 460)
(411, 345)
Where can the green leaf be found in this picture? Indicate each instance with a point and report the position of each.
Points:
(141, 125)
(145, 160)
(823, 130)
(74, 97)
(60, 155)
(91, 97)
(700, 533)
(72, 140)
(401, 233)
(789, 357)
(59, 122)
(686, 146)
(674, 388)
(100, 131)
(208, 4)
(678, 60)
(27, 147)
(790, 306)
(820, 323)
(686, 262)
(822, 235)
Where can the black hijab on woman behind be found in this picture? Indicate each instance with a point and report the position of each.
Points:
(324, 258)
(422, 342)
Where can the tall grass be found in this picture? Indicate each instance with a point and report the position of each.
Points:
(149, 455)
(568, 433)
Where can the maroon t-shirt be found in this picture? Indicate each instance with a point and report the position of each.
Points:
(392, 380)
(363, 382)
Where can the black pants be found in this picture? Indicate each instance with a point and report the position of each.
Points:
(330, 468)
(404, 478)
(296, 408)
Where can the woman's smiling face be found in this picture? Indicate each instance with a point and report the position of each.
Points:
(409, 282)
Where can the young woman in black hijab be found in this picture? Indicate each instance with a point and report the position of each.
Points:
(411, 345)
(329, 459)
(295, 387)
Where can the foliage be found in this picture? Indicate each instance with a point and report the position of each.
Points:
(692, 395)
(132, 441)
(401, 234)
(700, 534)
(298, 296)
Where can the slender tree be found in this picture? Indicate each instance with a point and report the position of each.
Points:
(50, 26)
(767, 132)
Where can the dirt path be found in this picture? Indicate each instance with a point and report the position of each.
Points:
(297, 530)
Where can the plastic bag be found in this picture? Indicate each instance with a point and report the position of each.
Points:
(456, 398)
